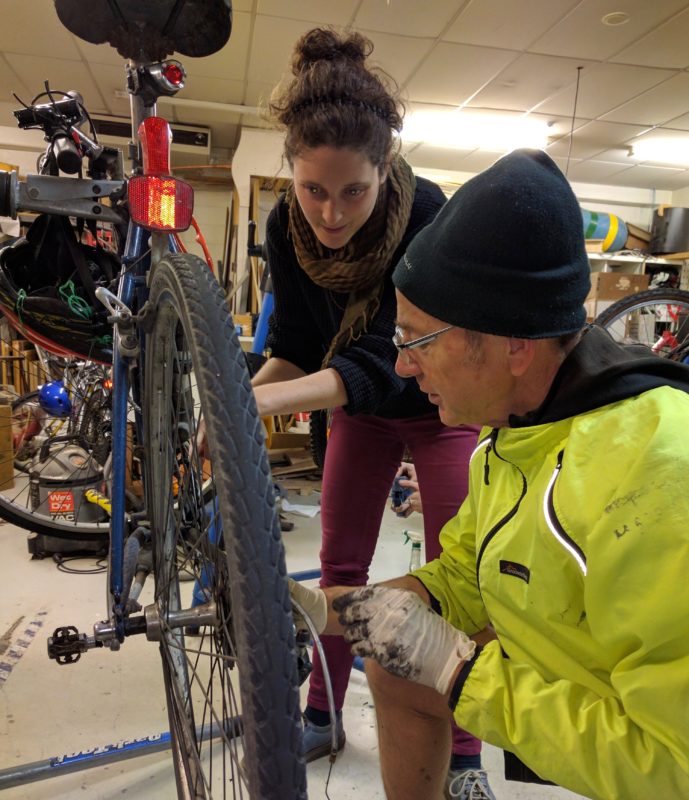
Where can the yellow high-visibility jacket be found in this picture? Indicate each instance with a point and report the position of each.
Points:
(574, 544)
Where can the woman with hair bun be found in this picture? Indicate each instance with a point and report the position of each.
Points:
(332, 242)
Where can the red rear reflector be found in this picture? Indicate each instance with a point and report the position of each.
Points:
(155, 137)
(160, 204)
(173, 72)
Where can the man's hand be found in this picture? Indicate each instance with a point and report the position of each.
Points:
(403, 634)
(314, 603)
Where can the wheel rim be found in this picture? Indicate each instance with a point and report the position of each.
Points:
(199, 670)
(54, 465)
(661, 326)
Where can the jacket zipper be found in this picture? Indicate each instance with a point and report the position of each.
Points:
(491, 446)
(502, 522)
(554, 524)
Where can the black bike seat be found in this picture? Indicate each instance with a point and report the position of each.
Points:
(151, 30)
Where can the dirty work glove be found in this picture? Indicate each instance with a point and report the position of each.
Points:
(403, 634)
(314, 603)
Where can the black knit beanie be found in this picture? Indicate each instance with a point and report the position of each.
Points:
(505, 255)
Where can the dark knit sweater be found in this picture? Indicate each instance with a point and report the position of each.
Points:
(307, 317)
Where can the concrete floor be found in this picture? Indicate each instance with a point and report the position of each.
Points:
(48, 710)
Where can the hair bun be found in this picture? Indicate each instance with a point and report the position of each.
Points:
(324, 44)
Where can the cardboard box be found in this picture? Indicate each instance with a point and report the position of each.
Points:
(637, 238)
(609, 287)
(245, 321)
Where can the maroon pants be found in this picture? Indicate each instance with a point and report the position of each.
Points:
(362, 457)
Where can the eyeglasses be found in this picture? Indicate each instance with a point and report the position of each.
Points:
(401, 345)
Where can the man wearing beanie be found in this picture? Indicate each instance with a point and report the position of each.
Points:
(572, 545)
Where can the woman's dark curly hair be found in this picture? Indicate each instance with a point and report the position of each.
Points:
(334, 100)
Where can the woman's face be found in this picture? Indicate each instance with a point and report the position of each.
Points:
(337, 189)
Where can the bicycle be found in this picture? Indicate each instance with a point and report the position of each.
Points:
(177, 359)
(74, 406)
(657, 318)
(61, 445)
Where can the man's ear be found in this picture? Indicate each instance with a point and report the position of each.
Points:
(520, 355)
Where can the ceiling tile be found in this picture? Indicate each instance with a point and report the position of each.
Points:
(678, 123)
(110, 79)
(453, 73)
(652, 177)
(214, 90)
(406, 17)
(6, 114)
(663, 133)
(478, 161)
(557, 126)
(594, 171)
(437, 157)
(314, 11)
(271, 47)
(657, 105)
(503, 23)
(592, 138)
(527, 81)
(616, 155)
(398, 56)
(665, 46)
(581, 34)
(64, 75)
(98, 53)
(12, 82)
(603, 87)
(562, 164)
(19, 32)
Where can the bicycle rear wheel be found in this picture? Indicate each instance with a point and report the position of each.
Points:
(232, 689)
(657, 318)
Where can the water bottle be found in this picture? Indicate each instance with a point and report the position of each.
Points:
(415, 539)
(415, 560)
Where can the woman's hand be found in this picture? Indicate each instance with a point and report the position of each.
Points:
(408, 480)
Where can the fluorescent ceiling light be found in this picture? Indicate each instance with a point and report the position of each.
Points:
(459, 130)
(662, 150)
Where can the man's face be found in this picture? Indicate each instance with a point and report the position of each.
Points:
(465, 375)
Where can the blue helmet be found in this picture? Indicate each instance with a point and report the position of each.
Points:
(54, 400)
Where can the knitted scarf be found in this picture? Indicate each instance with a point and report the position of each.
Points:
(360, 266)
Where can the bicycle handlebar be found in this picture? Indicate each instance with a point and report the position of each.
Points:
(54, 116)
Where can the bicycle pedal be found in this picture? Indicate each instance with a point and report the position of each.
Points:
(66, 644)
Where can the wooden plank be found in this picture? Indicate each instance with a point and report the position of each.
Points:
(254, 304)
(17, 373)
(297, 469)
(303, 486)
(5, 351)
(6, 447)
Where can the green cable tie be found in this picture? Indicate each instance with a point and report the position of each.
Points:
(19, 305)
(77, 305)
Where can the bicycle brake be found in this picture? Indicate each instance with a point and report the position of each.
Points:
(123, 319)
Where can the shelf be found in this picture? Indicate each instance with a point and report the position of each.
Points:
(630, 257)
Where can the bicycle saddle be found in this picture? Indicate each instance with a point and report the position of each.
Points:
(151, 30)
